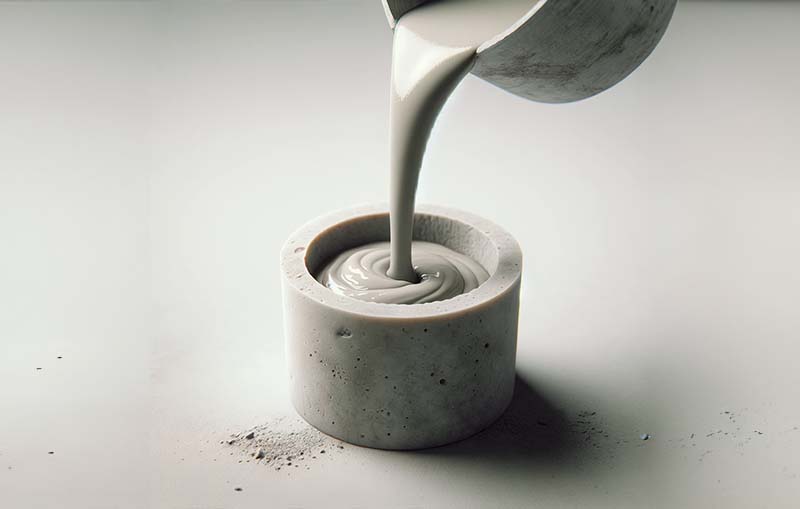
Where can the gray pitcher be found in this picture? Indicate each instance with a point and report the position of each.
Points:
(566, 50)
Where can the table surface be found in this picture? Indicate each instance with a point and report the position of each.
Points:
(153, 158)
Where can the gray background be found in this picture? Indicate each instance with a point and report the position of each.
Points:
(153, 157)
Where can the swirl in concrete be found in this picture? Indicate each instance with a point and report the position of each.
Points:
(442, 273)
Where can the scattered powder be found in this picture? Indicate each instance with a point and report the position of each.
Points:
(590, 436)
(594, 433)
(591, 427)
(283, 443)
(290, 443)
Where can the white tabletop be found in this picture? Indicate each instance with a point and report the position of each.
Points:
(153, 158)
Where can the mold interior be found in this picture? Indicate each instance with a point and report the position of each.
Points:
(451, 233)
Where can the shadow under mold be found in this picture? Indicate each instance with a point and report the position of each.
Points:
(534, 430)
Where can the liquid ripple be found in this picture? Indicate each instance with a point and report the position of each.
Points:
(360, 273)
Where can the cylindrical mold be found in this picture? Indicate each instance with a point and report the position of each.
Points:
(396, 376)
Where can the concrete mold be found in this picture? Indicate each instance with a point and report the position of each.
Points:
(395, 376)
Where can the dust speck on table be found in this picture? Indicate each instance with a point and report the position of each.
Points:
(282, 442)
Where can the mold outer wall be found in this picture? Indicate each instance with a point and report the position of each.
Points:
(400, 382)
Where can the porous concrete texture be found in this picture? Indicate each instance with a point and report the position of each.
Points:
(397, 376)
(567, 50)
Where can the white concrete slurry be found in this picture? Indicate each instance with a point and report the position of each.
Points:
(434, 47)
